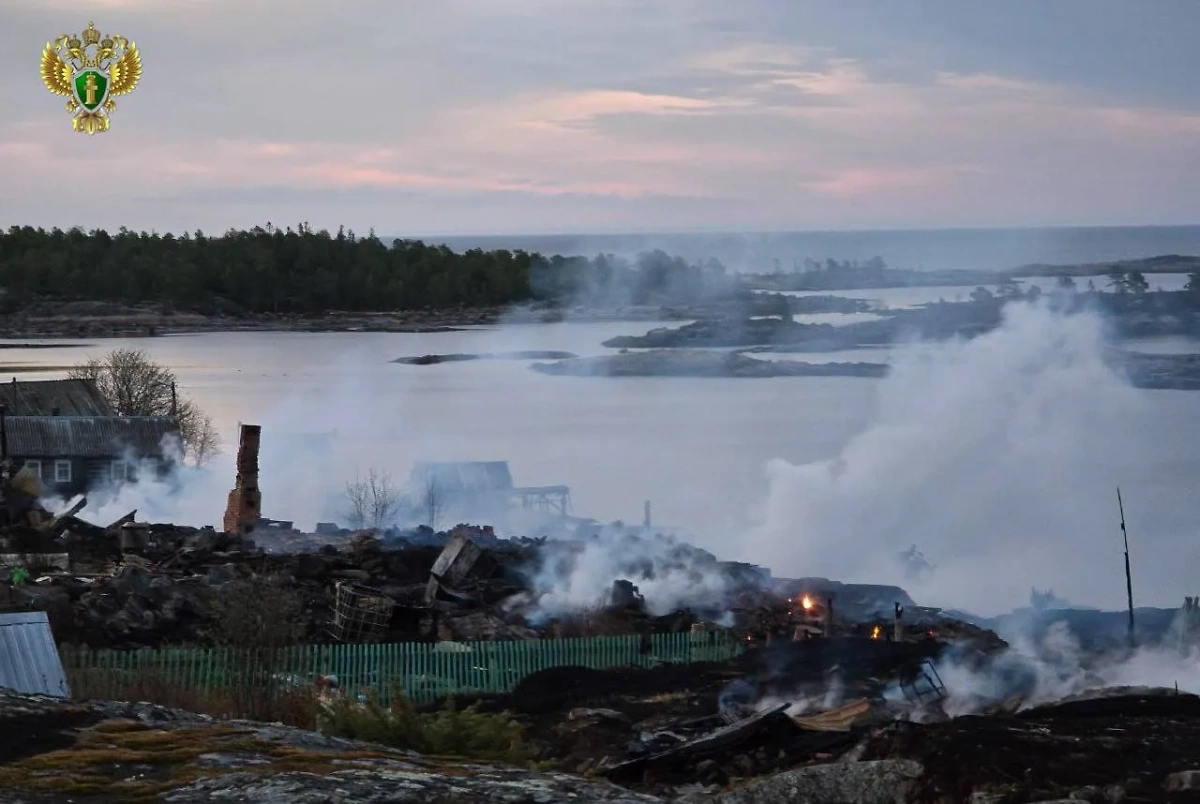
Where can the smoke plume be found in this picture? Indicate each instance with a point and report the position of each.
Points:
(999, 457)
(669, 574)
(1054, 667)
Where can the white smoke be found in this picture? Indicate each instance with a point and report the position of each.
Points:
(998, 457)
(195, 496)
(668, 574)
(1031, 673)
(156, 487)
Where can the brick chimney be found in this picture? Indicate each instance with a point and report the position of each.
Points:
(245, 501)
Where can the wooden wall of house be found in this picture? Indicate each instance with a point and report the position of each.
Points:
(86, 473)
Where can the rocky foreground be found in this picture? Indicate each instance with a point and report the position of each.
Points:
(57, 751)
(1138, 745)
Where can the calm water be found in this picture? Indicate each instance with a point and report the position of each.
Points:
(332, 404)
(694, 447)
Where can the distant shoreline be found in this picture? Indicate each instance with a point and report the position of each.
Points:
(142, 323)
(77, 320)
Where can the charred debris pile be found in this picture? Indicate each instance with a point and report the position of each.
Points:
(825, 665)
(835, 687)
(132, 584)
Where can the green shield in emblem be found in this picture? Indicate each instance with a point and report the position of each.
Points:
(91, 88)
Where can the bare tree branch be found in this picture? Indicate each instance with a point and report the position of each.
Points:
(372, 501)
(385, 498)
(357, 502)
(134, 385)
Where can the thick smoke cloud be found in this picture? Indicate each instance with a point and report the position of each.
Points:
(999, 458)
(1056, 666)
(670, 575)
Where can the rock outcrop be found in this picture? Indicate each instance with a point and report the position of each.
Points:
(58, 751)
(887, 781)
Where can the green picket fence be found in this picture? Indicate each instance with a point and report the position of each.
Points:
(421, 671)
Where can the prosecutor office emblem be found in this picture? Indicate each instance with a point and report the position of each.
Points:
(91, 70)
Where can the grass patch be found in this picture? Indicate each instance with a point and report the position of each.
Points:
(449, 732)
(135, 747)
(251, 699)
(119, 726)
(105, 754)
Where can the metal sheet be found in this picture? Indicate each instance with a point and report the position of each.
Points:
(87, 436)
(43, 397)
(29, 660)
(840, 719)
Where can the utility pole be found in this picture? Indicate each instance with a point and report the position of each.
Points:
(1128, 576)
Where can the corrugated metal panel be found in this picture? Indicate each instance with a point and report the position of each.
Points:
(41, 397)
(463, 476)
(29, 660)
(87, 436)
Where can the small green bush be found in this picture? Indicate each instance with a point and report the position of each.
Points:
(447, 732)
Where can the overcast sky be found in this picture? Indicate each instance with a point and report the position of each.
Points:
(531, 116)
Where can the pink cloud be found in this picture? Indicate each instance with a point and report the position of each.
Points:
(595, 103)
(862, 181)
(348, 175)
(843, 78)
(845, 140)
(276, 149)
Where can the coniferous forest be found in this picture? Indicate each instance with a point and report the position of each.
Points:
(302, 271)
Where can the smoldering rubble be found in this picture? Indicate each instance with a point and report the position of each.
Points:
(832, 686)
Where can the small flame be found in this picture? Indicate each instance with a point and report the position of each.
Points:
(876, 631)
(806, 603)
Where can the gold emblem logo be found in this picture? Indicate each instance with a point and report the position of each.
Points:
(91, 70)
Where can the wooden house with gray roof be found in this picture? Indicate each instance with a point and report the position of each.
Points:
(64, 433)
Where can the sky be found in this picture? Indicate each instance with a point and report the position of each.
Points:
(549, 116)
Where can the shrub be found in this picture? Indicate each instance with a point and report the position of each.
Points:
(447, 732)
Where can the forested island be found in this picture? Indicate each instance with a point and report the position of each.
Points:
(273, 270)
(814, 275)
(1130, 309)
(1160, 372)
(1134, 312)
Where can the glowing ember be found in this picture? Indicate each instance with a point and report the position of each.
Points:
(806, 603)
(876, 631)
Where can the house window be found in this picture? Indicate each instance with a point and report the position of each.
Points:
(120, 471)
(62, 471)
(35, 467)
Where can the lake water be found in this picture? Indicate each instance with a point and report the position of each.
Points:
(694, 447)
(333, 404)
